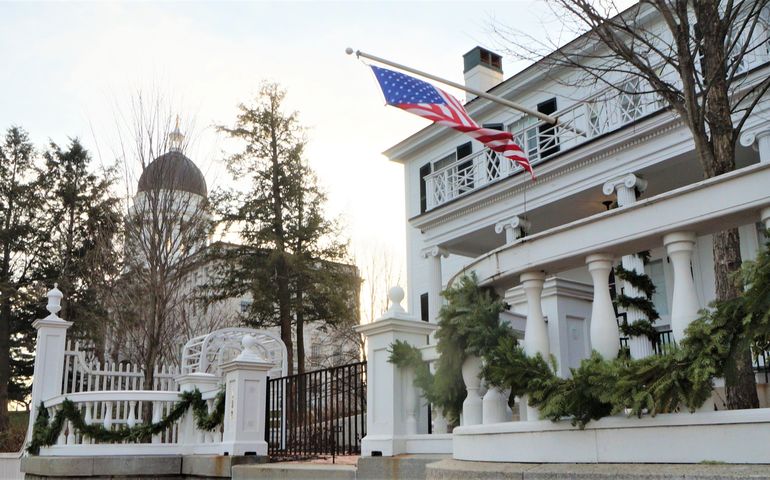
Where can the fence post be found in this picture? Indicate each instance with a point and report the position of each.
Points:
(49, 355)
(244, 422)
(388, 389)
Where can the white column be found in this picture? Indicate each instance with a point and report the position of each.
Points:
(245, 397)
(387, 392)
(495, 406)
(765, 217)
(49, 355)
(626, 188)
(434, 254)
(515, 228)
(684, 305)
(605, 337)
(535, 330)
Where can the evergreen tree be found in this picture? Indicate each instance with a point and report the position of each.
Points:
(83, 219)
(20, 230)
(290, 259)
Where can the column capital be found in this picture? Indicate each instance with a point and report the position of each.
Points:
(434, 251)
(750, 138)
(533, 276)
(514, 227)
(679, 240)
(626, 181)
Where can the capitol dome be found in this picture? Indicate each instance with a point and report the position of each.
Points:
(173, 171)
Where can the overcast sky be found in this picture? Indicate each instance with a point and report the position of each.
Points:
(68, 67)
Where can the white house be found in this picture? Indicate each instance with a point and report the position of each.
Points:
(549, 246)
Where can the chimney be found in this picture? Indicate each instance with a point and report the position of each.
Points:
(483, 70)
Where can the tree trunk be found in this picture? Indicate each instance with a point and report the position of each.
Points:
(5, 362)
(740, 383)
(284, 310)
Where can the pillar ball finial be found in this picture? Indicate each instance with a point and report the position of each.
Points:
(54, 300)
(396, 295)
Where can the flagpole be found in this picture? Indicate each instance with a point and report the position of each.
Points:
(478, 93)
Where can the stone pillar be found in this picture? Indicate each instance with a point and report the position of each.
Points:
(495, 406)
(535, 330)
(434, 254)
(387, 417)
(626, 188)
(760, 141)
(49, 355)
(684, 305)
(189, 435)
(245, 397)
(605, 337)
(515, 228)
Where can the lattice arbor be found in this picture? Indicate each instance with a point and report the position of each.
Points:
(207, 353)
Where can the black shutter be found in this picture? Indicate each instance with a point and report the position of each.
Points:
(548, 144)
(424, 172)
(424, 314)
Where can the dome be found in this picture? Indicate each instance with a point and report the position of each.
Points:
(173, 171)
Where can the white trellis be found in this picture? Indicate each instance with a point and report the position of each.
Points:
(207, 353)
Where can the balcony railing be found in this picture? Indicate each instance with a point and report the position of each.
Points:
(605, 112)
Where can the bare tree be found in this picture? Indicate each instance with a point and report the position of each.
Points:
(692, 55)
(166, 225)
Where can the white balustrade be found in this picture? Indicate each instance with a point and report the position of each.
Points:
(472, 405)
(684, 304)
(605, 336)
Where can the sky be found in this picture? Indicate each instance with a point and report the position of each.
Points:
(71, 69)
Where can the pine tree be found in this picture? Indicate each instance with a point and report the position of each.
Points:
(291, 257)
(20, 251)
(82, 220)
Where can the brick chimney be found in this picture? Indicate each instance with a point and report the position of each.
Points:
(483, 70)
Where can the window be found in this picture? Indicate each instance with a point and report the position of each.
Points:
(465, 169)
(245, 306)
(315, 351)
(424, 312)
(547, 133)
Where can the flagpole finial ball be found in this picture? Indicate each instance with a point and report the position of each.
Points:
(349, 51)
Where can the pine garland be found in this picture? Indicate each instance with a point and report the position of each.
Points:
(45, 432)
(643, 283)
(681, 377)
(469, 325)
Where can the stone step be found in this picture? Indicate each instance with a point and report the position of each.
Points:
(463, 470)
(400, 467)
(294, 471)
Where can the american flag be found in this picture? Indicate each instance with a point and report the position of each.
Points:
(425, 100)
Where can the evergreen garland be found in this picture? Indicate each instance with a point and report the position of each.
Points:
(469, 325)
(45, 432)
(643, 283)
(680, 378)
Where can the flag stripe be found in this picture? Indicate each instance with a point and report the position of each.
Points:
(434, 104)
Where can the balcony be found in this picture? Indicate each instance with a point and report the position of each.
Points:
(603, 113)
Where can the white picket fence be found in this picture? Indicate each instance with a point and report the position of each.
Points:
(88, 375)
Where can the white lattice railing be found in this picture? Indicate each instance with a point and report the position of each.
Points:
(602, 113)
(85, 375)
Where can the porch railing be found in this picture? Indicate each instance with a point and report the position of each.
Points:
(602, 113)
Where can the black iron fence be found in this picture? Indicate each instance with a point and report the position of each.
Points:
(317, 413)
